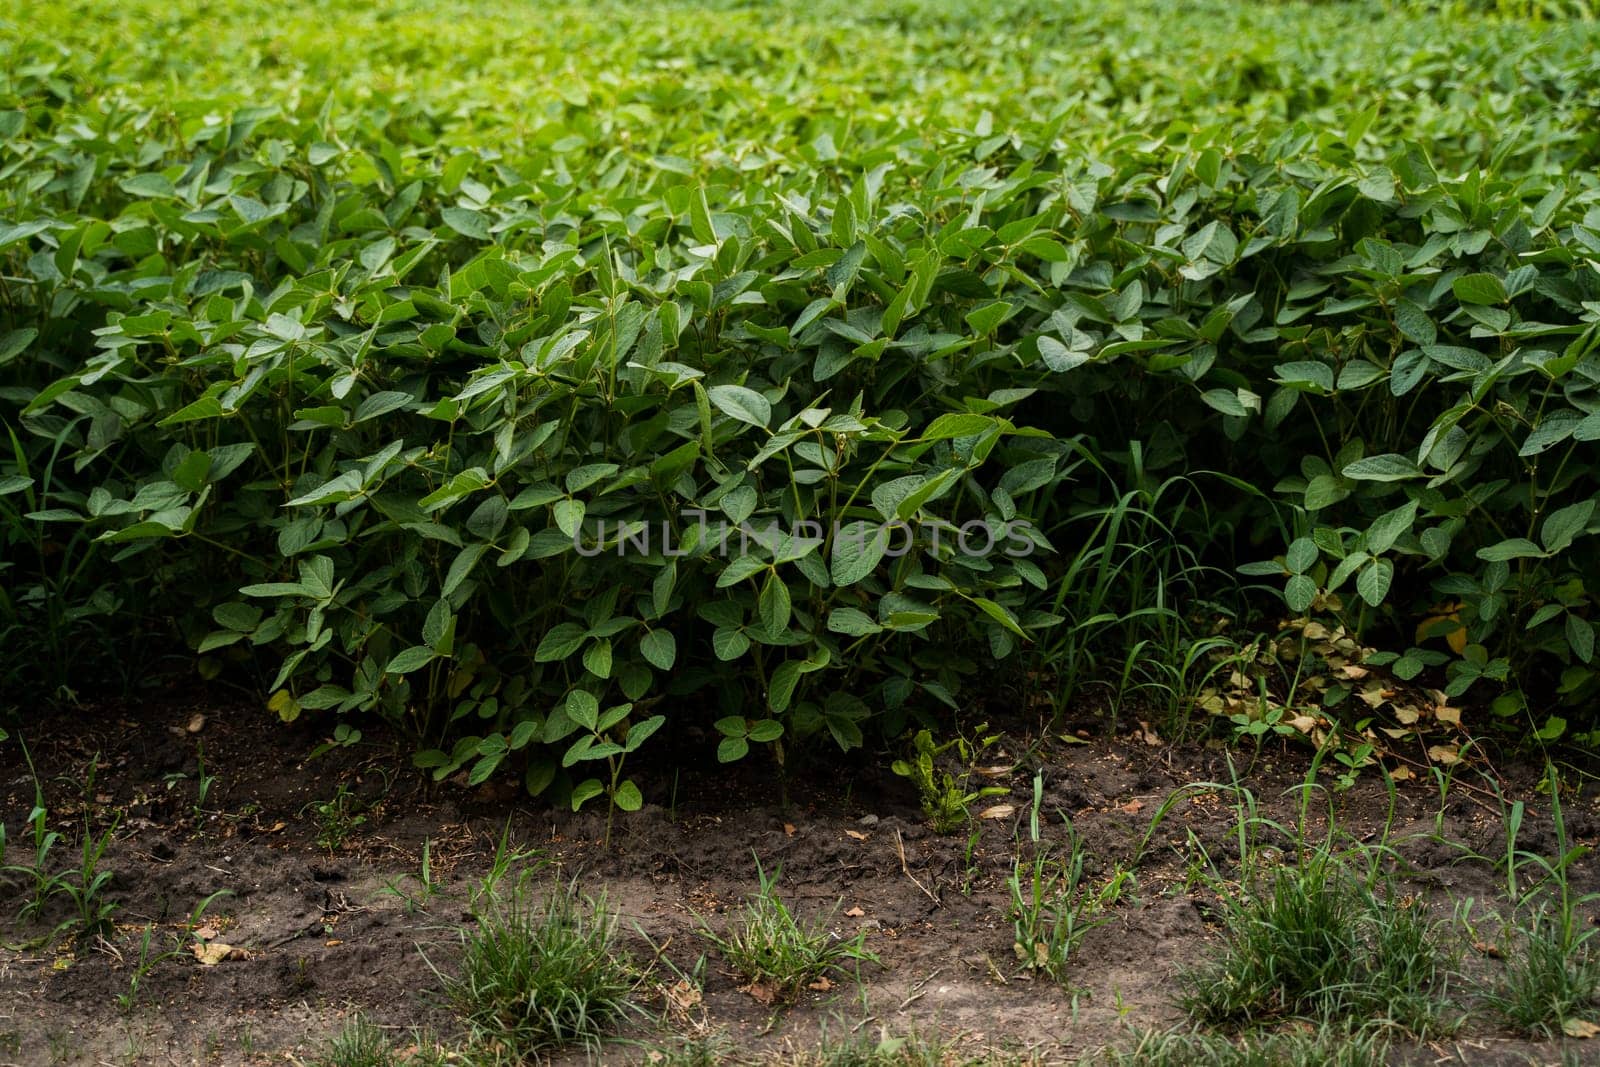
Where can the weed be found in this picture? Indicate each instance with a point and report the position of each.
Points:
(970, 870)
(44, 840)
(507, 857)
(1052, 909)
(778, 956)
(1310, 939)
(363, 1044)
(540, 973)
(203, 783)
(699, 1050)
(336, 818)
(148, 962)
(946, 801)
(85, 885)
(1137, 557)
(142, 967)
(883, 1049)
(424, 882)
(1551, 981)
(1322, 1046)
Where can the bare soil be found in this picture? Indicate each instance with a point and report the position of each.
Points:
(320, 938)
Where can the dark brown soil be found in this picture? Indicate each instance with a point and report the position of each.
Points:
(322, 939)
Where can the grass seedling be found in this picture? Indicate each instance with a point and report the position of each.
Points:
(147, 962)
(363, 1044)
(970, 871)
(1052, 910)
(540, 973)
(85, 886)
(1310, 939)
(203, 783)
(1551, 980)
(336, 818)
(44, 840)
(1323, 1046)
(506, 857)
(424, 879)
(699, 1050)
(770, 949)
(883, 1049)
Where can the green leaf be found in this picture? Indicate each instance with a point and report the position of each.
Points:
(1388, 527)
(597, 658)
(1479, 289)
(1512, 548)
(581, 478)
(852, 622)
(559, 642)
(729, 644)
(583, 708)
(740, 403)
(640, 732)
(774, 605)
(858, 548)
(586, 791)
(1301, 556)
(1562, 526)
(1299, 591)
(959, 424)
(1374, 580)
(568, 515)
(16, 342)
(1000, 614)
(1058, 357)
(1226, 401)
(1311, 373)
(411, 659)
(627, 797)
(468, 223)
(1390, 467)
(438, 629)
(380, 404)
(766, 731)
(1580, 637)
(1552, 430)
(660, 649)
(1324, 491)
(781, 689)
(239, 617)
(461, 568)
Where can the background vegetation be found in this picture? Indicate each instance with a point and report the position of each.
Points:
(323, 333)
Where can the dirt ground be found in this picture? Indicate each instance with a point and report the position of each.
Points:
(321, 938)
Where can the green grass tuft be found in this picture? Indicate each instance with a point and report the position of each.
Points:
(1311, 940)
(770, 949)
(1324, 1046)
(539, 972)
(364, 1044)
(1551, 978)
